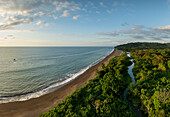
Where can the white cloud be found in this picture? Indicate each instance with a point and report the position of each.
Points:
(66, 5)
(55, 17)
(40, 22)
(13, 21)
(97, 12)
(76, 17)
(58, 8)
(65, 13)
(41, 14)
(14, 30)
(110, 11)
(18, 12)
(22, 7)
(163, 27)
(164, 30)
(24, 31)
(101, 4)
(28, 20)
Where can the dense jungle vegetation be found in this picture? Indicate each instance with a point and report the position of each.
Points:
(151, 93)
(101, 96)
(142, 45)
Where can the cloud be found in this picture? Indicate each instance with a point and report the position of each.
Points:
(101, 4)
(29, 31)
(55, 17)
(140, 32)
(8, 37)
(59, 8)
(40, 22)
(66, 5)
(15, 30)
(9, 25)
(76, 17)
(97, 12)
(18, 12)
(13, 21)
(26, 7)
(163, 28)
(41, 14)
(65, 13)
(110, 11)
(125, 24)
(112, 33)
(115, 4)
(22, 7)
(137, 36)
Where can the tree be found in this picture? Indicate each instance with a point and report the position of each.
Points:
(168, 63)
(103, 66)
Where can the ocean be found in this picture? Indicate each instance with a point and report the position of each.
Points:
(29, 72)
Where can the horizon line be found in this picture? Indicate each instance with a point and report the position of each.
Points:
(57, 46)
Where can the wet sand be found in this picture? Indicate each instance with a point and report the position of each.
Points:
(36, 106)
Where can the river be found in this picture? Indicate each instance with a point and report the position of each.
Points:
(136, 111)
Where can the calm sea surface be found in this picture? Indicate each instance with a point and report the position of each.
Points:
(29, 72)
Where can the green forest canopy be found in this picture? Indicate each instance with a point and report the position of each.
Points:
(143, 45)
(151, 92)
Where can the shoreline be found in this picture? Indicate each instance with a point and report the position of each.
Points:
(50, 88)
(35, 106)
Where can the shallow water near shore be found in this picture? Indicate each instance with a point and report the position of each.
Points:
(31, 72)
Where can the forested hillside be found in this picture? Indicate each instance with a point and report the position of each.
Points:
(101, 96)
(142, 45)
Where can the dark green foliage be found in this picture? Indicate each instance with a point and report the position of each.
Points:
(151, 93)
(168, 63)
(142, 45)
(103, 66)
(101, 96)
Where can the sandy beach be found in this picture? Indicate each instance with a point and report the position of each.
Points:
(36, 106)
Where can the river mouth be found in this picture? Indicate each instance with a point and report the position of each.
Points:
(130, 72)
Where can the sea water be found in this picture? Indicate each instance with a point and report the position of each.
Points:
(29, 72)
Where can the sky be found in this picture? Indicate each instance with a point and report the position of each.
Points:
(83, 22)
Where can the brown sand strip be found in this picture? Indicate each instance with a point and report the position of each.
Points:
(36, 106)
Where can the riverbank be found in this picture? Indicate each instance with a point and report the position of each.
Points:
(36, 106)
